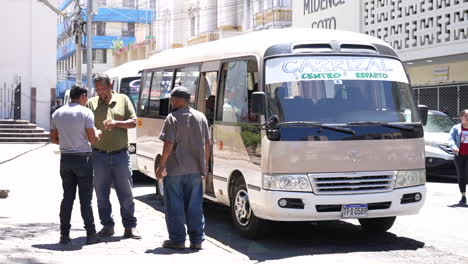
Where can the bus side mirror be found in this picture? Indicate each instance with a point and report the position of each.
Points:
(424, 112)
(258, 103)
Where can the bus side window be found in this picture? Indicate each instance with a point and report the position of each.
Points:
(143, 106)
(165, 92)
(188, 77)
(239, 78)
(155, 95)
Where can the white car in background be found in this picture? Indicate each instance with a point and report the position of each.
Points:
(439, 156)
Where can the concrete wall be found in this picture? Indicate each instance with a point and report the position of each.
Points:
(30, 52)
(430, 74)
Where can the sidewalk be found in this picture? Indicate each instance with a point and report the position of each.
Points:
(29, 222)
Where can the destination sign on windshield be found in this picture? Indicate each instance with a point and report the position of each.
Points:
(290, 69)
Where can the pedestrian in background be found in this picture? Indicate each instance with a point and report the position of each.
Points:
(72, 127)
(183, 164)
(114, 114)
(459, 143)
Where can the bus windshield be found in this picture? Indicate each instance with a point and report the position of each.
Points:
(339, 90)
(130, 87)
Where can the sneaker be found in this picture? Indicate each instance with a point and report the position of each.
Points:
(107, 231)
(173, 245)
(462, 201)
(196, 246)
(65, 239)
(92, 238)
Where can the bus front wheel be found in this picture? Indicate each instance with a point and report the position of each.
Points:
(377, 224)
(242, 215)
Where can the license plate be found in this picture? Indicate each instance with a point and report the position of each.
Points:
(354, 211)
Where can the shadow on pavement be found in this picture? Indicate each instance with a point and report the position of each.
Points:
(25, 261)
(29, 230)
(167, 251)
(74, 245)
(295, 238)
(457, 205)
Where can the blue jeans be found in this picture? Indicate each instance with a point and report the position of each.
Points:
(183, 199)
(114, 169)
(76, 171)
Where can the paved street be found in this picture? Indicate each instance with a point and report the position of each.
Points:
(29, 228)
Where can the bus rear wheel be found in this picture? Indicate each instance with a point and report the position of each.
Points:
(378, 225)
(243, 217)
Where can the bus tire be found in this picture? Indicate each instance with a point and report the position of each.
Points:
(378, 225)
(243, 217)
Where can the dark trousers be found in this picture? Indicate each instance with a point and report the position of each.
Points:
(76, 171)
(461, 163)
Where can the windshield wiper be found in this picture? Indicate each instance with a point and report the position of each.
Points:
(379, 123)
(318, 124)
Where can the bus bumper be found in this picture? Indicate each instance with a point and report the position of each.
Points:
(265, 204)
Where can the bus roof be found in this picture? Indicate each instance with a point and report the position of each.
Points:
(129, 69)
(253, 44)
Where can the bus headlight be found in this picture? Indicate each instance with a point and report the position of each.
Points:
(410, 178)
(292, 183)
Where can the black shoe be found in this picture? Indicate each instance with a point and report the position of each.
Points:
(462, 201)
(92, 238)
(173, 245)
(196, 246)
(65, 239)
(132, 233)
(107, 231)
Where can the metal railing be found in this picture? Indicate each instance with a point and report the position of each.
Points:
(449, 98)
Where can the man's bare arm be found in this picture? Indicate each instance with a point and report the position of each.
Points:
(208, 154)
(167, 151)
(54, 136)
(130, 123)
(93, 135)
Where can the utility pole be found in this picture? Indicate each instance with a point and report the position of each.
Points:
(78, 30)
(89, 44)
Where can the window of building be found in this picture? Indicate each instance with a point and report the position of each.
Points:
(128, 29)
(239, 81)
(192, 26)
(101, 3)
(99, 56)
(152, 4)
(128, 3)
(99, 28)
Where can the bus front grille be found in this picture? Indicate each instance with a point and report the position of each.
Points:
(353, 182)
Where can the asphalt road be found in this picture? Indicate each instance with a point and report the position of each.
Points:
(439, 234)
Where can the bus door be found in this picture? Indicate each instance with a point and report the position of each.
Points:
(236, 133)
(206, 104)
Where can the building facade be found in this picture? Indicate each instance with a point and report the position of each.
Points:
(182, 23)
(116, 24)
(430, 36)
(28, 60)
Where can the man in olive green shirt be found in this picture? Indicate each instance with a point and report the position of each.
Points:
(113, 115)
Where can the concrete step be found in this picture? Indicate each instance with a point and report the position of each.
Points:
(21, 130)
(24, 135)
(11, 121)
(28, 126)
(23, 140)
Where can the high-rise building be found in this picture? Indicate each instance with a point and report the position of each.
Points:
(182, 23)
(116, 24)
